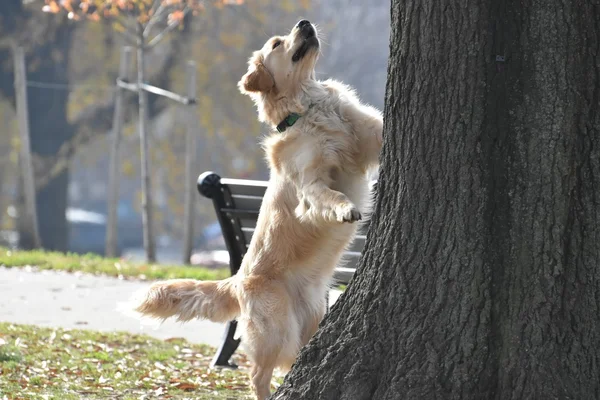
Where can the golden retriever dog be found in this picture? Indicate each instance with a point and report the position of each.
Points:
(323, 144)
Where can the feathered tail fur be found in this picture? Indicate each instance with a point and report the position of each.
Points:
(188, 299)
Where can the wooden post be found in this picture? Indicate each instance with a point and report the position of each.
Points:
(25, 146)
(190, 162)
(145, 170)
(113, 168)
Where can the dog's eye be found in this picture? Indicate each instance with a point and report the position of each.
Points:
(277, 43)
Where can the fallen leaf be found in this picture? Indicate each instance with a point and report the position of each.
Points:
(187, 386)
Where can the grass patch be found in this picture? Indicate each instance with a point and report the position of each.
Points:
(94, 264)
(9, 354)
(47, 363)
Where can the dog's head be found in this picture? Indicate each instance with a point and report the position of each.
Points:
(283, 62)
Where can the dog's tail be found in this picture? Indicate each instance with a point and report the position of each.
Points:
(188, 299)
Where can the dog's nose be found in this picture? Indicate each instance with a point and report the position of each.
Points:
(302, 23)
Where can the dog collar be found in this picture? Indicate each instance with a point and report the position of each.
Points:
(290, 120)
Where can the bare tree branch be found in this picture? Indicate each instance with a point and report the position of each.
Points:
(155, 18)
(156, 39)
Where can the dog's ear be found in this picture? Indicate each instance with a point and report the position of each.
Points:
(257, 79)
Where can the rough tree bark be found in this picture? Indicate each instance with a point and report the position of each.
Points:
(481, 275)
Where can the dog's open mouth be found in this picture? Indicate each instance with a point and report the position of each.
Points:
(309, 40)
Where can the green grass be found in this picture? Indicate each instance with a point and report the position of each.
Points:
(94, 264)
(47, 363)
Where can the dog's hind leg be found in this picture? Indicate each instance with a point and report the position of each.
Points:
(266, 329)
(261, 381)
(263, 343)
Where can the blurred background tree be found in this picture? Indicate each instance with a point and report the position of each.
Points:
(144, 24)
(49, 42)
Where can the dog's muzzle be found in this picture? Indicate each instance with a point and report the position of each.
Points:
(308, 34)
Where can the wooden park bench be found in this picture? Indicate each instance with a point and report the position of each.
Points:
(237, 202)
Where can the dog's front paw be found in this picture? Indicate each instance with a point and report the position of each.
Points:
(347, 212)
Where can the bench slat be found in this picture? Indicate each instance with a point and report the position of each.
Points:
(358, 244)
(247, 222)
(248, 203)
(245, 187)
(343, 275)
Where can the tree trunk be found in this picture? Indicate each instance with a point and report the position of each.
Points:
(29, 208)
(191, 170)
(48, 43)
(112, 198)
(144, 152)
(481, 272)
(50, 130)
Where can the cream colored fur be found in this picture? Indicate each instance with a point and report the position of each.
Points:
(317, 190)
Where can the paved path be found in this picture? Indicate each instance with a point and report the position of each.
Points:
(81, 301)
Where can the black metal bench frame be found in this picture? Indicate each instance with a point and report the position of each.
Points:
(212, 186)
